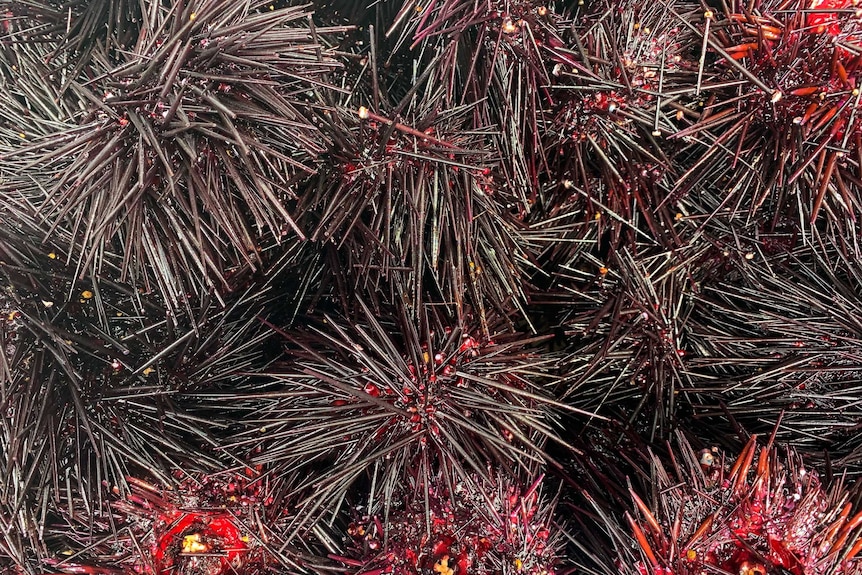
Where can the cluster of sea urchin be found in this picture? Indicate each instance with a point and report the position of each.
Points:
(206, 525)
(766, 514)
(473, 525)
(378, 399)
(778, 121)
(388, 262)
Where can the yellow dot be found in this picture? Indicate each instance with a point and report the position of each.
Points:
(442, 566)
(518, 564)
(22, 135)
(148, 371)
(193, 16)
(691, 554)
(678, 216)
(86, 294)
(245, 539)
(603, 270)
(597, 216)
(52, 255)
(708, 14)
(192, 544)
(418, 9)
(363, 113)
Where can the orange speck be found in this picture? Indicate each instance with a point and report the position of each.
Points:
(192, 544)
(691, 554)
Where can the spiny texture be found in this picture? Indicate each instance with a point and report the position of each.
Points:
(394, 394)
(89, 377)
(386, 262)
(622, 90)
(411, 201)
(183, 147)
(511, 46)
(30, 106)
(484, 525)
(781, 343)
(207, 525)
(766, 514)
(73, 413)
(778, 127)
(629, 338)
(69, 34)
(414, 194)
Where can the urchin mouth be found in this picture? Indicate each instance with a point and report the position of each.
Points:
(209, 544)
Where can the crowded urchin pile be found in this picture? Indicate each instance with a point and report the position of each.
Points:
(430, 287)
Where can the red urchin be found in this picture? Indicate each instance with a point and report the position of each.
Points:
(778, 125)
(490, 526)
(511, 45)
(194, 530)
(412, 195)
(628, 336)
(779, 338)
(183, 146)
(767, 514)
(387, 395)
(207, 525)
(612, 109)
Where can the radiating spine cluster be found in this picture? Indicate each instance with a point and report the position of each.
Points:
(376, 287)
